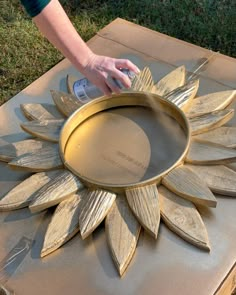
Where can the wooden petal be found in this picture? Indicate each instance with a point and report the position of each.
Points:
(6, 291)
(170, 82)
(122, 231)
(182, 217)
(210, 103)
(232, 166)
(143, 81)
(94, 207)
(37, 111)
(145, 206)
(55, 191)
(183, 96)
(209, 153)
(47, 129)
(210, 121)
(66, 103)
(63, 226)
(47, 158)
(70, 80)
(185, 183)
(219, 179)
(21, 195)
(222, 135)
(10, 151)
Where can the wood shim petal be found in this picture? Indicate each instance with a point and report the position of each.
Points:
(144, 203)
(55, 191)
(143, 81)
(183, 96)
(47, 129)
(210, 121)
(66, 103)
(122, 230)
(210, 103)
(209, 153)
(182, 217)
(185, 183)
(222, 135)
(47, 158)
(220, 179)
(95, 206)
(171, 81)
(70, 80)
(9, 151)
(21, 195)
(43, 111)
(63, 225)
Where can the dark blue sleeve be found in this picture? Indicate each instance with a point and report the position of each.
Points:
(34, 7)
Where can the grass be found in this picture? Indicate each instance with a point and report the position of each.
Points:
(26, 55)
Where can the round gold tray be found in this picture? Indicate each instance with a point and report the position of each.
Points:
(125, 141)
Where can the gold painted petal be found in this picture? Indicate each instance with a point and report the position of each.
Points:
(210, 103)
(55, 191)
(47, 129)
(144, 203)
(210, 121)
(182, 217)
(183, 96)
(21, 195)
(122, 230)
(37, 111)
(143, 81)
(219, 179)
(70, 81)
(66, 103)
(47, 158)
(209, 153)
(94, 207)
(185, 183)
(63, 225)
(222, 135)
(9, 151)
(170, 82)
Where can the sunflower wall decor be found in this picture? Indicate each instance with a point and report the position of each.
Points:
(108, 162)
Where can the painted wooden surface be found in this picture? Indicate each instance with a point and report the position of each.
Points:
(185, 183)
(66, 103)
(219, 178)
(143, 81)
(144, 203)
(210, 121)
(203, 153)
(122, 230)
(21, 195)
(70, 80)
(55, 191)
(63, 225)
(182, 217)
(40, 111)
(210, 103)
(95, 206)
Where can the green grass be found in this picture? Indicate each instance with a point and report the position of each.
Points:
(26, 55)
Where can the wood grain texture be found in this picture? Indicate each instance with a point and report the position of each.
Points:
(122, 230)
(170, 82)
(209, 153)
(144, 203)
(219, 179)
(55, 191)
(40, 111)
(66, 103)
(63, 225)
(185, 183)
(183, 96)
(210, 121)
(48, 129)
(143, 81)
(21, 195)
(9, 151)
(95, 206)
(70, 80)
(210, 103)
(222, 135)
(47, 158)
(182, 217)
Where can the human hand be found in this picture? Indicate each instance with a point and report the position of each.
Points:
(101, 70)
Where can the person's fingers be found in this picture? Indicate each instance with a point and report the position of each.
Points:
(121, 78)
(126, 64)
(105, 89)
(113, 85)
